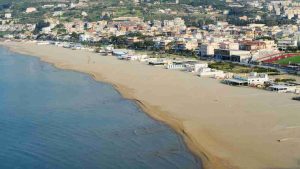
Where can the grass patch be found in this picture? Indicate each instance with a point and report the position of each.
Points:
(236, 68)
(285, 80)
(295, 59)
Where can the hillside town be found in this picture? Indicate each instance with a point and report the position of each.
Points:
(257, 44)
(150, 84)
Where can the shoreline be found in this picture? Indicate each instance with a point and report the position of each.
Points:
(213, 155)
(151, 112)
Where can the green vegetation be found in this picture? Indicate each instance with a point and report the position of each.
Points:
(236, 68)
(40, 25)
(2, 33)
(291, 60)
(284, 80)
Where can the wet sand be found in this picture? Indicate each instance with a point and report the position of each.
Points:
(228, 127)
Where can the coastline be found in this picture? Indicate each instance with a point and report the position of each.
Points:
(152, 112)
(199, 133)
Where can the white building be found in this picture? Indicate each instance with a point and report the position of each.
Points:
(83, 13)
(7, 15)
(208, 72)
(286, 42)
(175, 66)
(141, 58)
(46, 30)
(62, 5)
(284, 88)
(200, 66)
(84, 37)
(208, 49)
(58, 13)
(254, 79)
(257, 79)
(47, 6)
(30, 10)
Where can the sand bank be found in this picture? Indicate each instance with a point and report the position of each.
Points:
(229, 127)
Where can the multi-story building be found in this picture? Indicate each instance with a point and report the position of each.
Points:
(283, 44)
(208, 49)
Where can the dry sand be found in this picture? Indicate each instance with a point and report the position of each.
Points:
(228, 127)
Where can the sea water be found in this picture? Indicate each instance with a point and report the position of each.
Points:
(57, 119)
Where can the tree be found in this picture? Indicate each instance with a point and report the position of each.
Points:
(74, 36)
(119, 41)
(40, 25)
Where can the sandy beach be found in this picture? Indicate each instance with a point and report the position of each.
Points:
(228, 127)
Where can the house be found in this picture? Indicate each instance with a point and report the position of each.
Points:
(7, 15)
(175, 66)
(162, 43)
(254, 79)
(284, 88)
(140, 58)
(47, 6)
(132, 40)
(208, 72)
(252, 45)
(199, 66)
(229, 45)
(84, 38)
(208, 49)
(46, 30)
(30, 10)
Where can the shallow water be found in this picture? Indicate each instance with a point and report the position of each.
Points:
(56, 119)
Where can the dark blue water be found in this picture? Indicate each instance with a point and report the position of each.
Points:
(55, 119)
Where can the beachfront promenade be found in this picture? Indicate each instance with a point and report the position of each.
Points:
(229, 127)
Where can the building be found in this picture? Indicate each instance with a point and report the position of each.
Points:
(283, 44)
(252, 45)
(46, 30)
(199, 66)
(284, 88)
(254, 79)
(7, 15)
(30, 10)
(270, 44)
(186, 45)
(257, 79)
(229, 45)
(208, 72)
(232, 55)
(206, 50)
(141, 58)
(175, 66)
(84, 38)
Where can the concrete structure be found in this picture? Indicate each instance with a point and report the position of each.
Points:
(232, 55)
(284, 88)
(208, 72)
(199, 66)
(286, 42)
(257, 79)
(140, 58)
(208, 49)
(7, 15)
(175, 66)
(254, 79)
